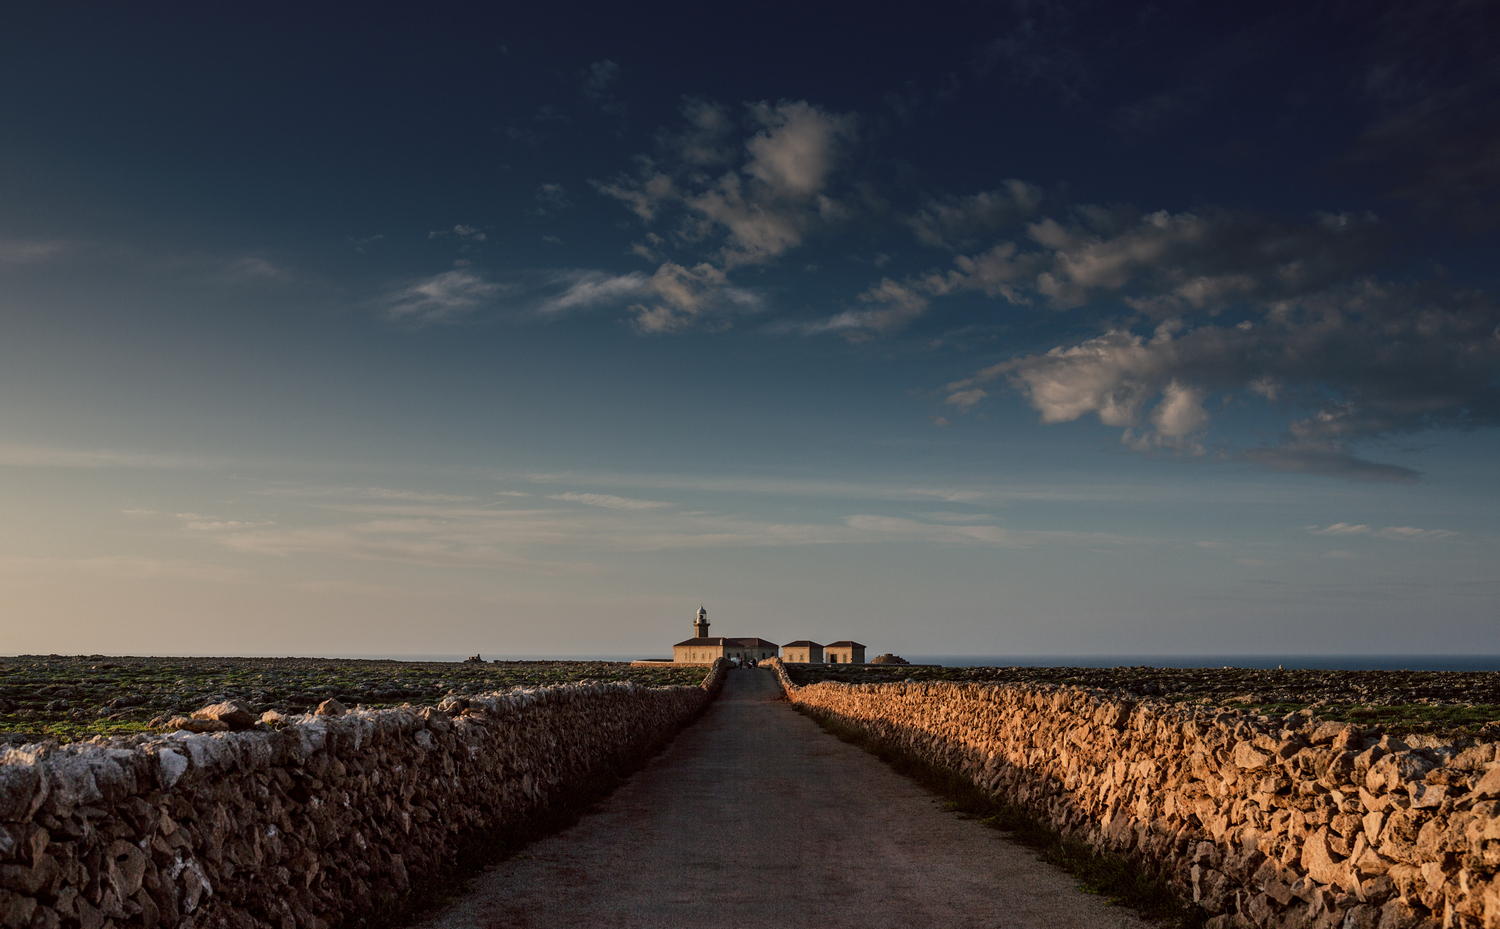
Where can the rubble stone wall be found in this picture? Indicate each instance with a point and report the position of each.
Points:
(306, 826)
(1286, 822)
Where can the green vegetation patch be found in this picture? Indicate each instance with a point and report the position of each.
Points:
(74, 698)
(1449, 705)
(1119, 880)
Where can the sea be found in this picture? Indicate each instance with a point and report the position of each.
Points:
(1298, 662)
(1290, 662)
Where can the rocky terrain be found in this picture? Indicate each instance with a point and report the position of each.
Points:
(1459, 706)
(71, 698)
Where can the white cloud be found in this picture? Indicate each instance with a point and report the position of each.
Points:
(1394, 533)
(1180, 412)
(946, 223)
(749, 215)
(551, 197)
(360, 493)
(967, 399)
(29, 251)
(706, 140)
(207, 525)
(1161, 264)
(51, 457)
(1341, 529)
(442, 296)
(609, 501)
(352, 523)
(600, 76)
(124, 567)
(740, 216)
(592, 288)
(900, 305)
(684, 296)
(795, 150)
(1356, 362)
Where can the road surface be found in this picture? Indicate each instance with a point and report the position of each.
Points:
(754, 816)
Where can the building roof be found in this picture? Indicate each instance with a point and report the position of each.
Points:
(718, 640)
(802, 643)
(844, 643)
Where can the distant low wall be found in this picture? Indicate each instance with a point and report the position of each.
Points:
(1282, 823)
(304, 827)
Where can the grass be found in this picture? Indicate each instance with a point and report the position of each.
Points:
(74, 698)
(1120, 881)
(1451, 705)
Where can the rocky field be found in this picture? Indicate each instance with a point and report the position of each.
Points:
(71, 698)
(1451, 705)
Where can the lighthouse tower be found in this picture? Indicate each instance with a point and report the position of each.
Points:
(700, 625)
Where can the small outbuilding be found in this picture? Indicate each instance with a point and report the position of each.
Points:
(844, 652)
(802, 651)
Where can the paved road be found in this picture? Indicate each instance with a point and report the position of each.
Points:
(756, 817)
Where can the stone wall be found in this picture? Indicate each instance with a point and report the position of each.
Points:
(305, 826)
(1265, 822)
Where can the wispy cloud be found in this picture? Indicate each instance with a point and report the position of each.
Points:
(584, 289)
(608, 501)
(952, 222)
(748, 215)
(29, 251)
(202, 524)
(126, 567)
(1395, 533)
(442, 297)
(52, 457)
(531, 538)
(1357, 362)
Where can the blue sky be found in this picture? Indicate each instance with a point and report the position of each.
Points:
(1029, 328)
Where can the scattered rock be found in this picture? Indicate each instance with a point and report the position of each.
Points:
(234, 714)
(330, 707)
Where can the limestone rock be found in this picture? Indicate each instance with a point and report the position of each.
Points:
(1489, 785)
(1246, 756)
(19, 785)
(235, 714)
(1321, 864)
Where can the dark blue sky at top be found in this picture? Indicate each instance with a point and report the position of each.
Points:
(319, 123)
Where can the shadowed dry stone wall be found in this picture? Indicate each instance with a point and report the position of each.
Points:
(1286, 823)
(308, 825)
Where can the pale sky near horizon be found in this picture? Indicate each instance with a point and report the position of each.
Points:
(1028, 328)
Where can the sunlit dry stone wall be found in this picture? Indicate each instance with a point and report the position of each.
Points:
(1291, 823)
(307, 826)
